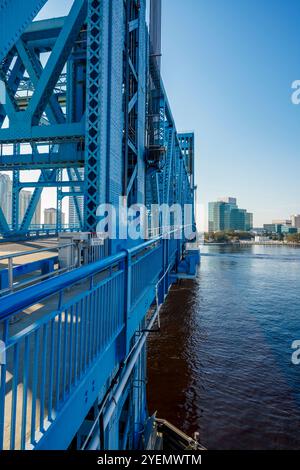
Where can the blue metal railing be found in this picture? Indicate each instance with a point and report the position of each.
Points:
(65, 325)
(39, 231)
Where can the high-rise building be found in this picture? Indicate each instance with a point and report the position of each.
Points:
(217, 216)
(224, 214)
(24, 201)
(237, 219)
(50, 217)
(37, 216)
(248, 221)
(295, 220)
(6, 196)
(73, 217)
(228, 200)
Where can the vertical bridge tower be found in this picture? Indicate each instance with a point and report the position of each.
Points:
(85, 113)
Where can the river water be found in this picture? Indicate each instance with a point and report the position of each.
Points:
(221, 364)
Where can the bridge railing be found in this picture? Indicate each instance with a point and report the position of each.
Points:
(12, 275)
(65, 326)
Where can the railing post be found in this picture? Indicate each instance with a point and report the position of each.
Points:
(4, 340)
(162, 288)
(168, 249)
(10, 273)
(128, 286)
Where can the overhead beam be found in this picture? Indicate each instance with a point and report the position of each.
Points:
(15, 17)
(57, 60)
(42, 160)
(50, 184)
(59, 132)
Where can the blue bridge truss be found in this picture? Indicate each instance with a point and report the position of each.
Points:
(85, 105)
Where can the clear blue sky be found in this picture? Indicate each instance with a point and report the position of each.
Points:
(228, 66)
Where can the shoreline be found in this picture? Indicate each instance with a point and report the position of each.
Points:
(249, 243)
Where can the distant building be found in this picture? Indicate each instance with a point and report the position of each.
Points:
(229, 200)
(258, 230)
(237, 219)
(217, 216)
(224, 214)
(248, 221)
(73, 217)
(50, 217)
(273, 228)
(24, 201)
(261, 239)
(287, 229)
(37, 216)
(282, 222)
(6, 196)
(295, 220)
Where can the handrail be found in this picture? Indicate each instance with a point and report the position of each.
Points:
(144, 245)
(33, 252)
(18, 301)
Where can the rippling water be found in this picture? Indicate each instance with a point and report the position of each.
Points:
(221, 365)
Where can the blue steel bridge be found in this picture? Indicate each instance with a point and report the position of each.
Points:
(86, 108)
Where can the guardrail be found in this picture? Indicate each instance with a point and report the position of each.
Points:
(38, 232)
(46, 266)
(69, 322)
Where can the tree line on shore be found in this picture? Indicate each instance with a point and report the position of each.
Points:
(227, 236)
(231, 236)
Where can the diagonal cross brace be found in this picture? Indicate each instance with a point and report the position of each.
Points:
(34, 69)
(56, 61)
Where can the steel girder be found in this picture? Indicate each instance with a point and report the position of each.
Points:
(115, 118)
(169, 180)
(14, 18)
(46, 107)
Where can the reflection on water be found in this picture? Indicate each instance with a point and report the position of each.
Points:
(221, 365)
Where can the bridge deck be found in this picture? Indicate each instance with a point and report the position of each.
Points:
(59, 330)
(9, 248)
(20, 323)
(50, 346)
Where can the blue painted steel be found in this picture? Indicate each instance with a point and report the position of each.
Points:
(96, 317)
(96, 119)
(15, 17)
(45, 266)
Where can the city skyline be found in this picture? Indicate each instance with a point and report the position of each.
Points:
(246, 127)
(293, 220)
(236, 96)
(225, 214)
(69, 212)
